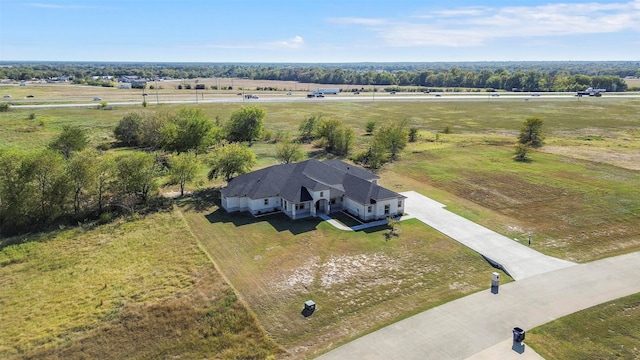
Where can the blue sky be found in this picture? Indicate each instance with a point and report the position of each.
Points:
(318, 31)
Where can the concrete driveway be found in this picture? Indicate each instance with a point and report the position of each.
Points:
(516, 259)
(479, 326)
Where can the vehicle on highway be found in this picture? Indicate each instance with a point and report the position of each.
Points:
(495, 94)
(356, 93)
(7, 96)
(591, 92)
(320, 95)
(289, 93)
(30, 96)
(97, 98)
(535, 94)
(425, 92)
(438, 95)
(392, 93)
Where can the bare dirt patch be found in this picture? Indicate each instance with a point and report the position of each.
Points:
(628, 159)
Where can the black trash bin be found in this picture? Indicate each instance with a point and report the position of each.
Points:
(518, 334)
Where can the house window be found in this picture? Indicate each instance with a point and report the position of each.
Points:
(399, 203)
(266, 201)
(333, 201)
(386, 209)
(321, 193)
(369, 209)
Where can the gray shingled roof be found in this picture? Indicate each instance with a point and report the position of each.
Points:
(293, 182)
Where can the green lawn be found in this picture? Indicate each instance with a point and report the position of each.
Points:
(606, 331)
(575, 209)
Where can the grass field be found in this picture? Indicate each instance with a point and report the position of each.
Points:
(359, 280)
(606, 331)
(130, 289)
(579, 198)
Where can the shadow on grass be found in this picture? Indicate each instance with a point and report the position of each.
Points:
(200, 200)
(278, 221)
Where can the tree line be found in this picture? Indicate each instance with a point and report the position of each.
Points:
(68, 181)
(522, 76)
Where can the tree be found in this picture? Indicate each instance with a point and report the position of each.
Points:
(230, 160)
(308, 128)
(105, 170)
(150, 128)
(245, 124)
(189, 129)
(343, 140)
(136, 175)
(370, 126)
(394, 136)
(82, 171)
(128, 129)
(375, 156)
(336, 137)
(413, 134)
(288, 152)
(522, 152)
(531, 132)
(71, 139)
(52, 184)
(183, 168)
(16, 191)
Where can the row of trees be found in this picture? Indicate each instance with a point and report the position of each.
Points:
(188, 129)
(69, 181)
(335, 137)
(525, 76)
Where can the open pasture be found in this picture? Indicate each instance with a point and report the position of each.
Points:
(130, 289)
(578, 198)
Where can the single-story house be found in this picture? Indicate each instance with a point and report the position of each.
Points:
(310, 188)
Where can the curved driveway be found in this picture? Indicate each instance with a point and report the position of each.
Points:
(479, 326)
(516, 259)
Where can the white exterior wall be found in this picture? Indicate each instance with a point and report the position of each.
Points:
(377, 210)
(394, 209)
(256, 205)
(355, 208)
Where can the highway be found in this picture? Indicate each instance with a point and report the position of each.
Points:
(362, 97)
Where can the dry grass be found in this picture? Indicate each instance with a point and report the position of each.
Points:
(359, 280)
(137, 289)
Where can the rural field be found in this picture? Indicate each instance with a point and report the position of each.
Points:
(578, 197)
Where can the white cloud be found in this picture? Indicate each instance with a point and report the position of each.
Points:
(474, 26)
(293, 43)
